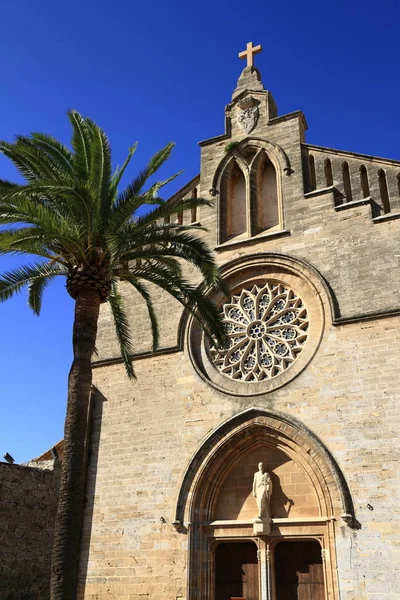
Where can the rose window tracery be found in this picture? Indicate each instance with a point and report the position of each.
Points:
(267, 328)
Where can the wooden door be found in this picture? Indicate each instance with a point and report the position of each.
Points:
(236, 571)
(299, 571)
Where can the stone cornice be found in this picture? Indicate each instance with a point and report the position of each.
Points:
(297, 114)
(117, 360)
(372, 316)
(252, 240)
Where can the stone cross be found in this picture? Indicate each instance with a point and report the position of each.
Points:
(249, 53)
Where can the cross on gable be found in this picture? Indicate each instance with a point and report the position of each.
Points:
(249, 53)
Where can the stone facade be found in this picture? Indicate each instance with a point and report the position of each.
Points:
(173, 454)
(28, 504)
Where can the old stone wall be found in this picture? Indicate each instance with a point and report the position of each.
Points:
(28, 502)
(146, 432)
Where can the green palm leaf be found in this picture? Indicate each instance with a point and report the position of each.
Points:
(12, 282)
(36, 288)
(60, 154)
(143, 291)
(121, 323)
(81, 143)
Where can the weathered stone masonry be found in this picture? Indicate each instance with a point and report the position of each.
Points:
(28, 504)
(341, 249)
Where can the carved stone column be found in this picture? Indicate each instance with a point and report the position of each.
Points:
(268, 570)
(263, 557)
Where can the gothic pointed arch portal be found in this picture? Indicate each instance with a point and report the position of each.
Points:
(310, 500)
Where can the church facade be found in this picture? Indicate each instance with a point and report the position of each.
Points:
(266, 469)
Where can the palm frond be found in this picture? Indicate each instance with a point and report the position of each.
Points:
(12, 282)
(69, 201)
(172, 207)
(81, 143)
(119, 172)
(60, 154)
(143, 291)
(40, 161)
(7, 186)
(65, 233)
(100, 170)
(156, 161)
(169, 240)
(28, 240)
(121, 323)
(22, 164)
(35, 292)
(193, 299)
(131, 198)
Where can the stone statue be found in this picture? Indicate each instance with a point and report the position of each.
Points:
(262, 491)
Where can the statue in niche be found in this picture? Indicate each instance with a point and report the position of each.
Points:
(262, 491)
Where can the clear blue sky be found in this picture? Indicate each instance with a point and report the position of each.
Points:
(159, 71)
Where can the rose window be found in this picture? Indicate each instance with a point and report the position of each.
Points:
(267, 329)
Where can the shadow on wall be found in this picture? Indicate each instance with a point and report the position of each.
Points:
(93, 456)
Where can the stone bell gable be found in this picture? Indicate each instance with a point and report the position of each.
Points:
(266, 468)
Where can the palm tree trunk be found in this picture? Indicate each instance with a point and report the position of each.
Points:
(68, 525)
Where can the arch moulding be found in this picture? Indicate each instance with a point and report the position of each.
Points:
(254, 269)
(275, 153)
(207, 469)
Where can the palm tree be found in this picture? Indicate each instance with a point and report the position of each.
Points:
(71, 215)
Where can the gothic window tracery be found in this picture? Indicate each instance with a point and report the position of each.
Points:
(267, 329)
(266, 195)
(250, 199)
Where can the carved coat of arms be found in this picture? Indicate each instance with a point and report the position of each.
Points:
(247, 113)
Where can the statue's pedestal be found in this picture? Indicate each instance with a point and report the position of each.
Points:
(261, 527)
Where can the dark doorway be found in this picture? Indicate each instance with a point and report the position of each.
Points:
(236, 571)
(299, 572)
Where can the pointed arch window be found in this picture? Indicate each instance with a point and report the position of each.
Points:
(265, 202)
(250, 195)
(311, 172)
(234, 196)
(236, 222)
(328, 172)
(193, 215)
(347, 182)
(383, 188)
(364, 181)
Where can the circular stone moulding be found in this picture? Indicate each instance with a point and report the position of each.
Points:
(274, 319)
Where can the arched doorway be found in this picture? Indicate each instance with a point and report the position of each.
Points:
(310, 495)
